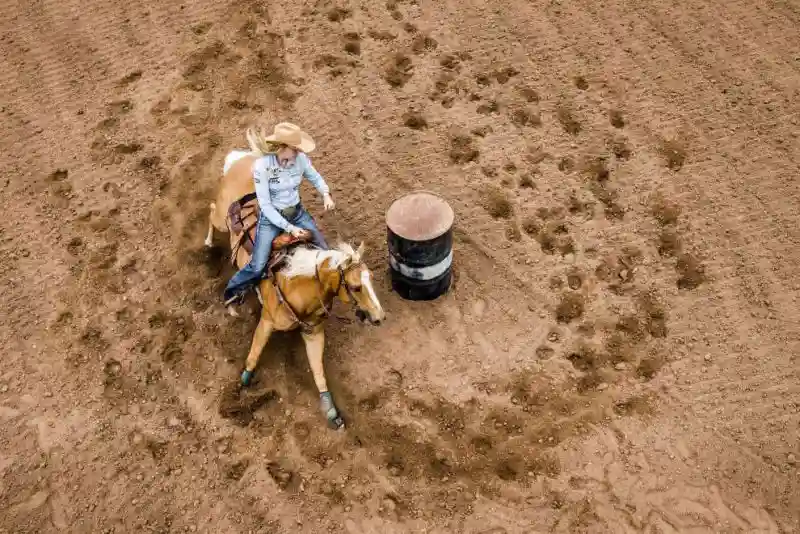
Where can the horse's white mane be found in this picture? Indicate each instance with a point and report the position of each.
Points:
(304, 261)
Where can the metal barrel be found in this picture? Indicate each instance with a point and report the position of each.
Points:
(420, 239)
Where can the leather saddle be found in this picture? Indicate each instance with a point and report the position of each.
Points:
(242, 220)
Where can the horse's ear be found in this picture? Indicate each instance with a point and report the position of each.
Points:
(360, 251)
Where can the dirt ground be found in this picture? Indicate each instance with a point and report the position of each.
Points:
(619, 350)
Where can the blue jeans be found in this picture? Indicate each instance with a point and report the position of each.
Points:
(252, 273)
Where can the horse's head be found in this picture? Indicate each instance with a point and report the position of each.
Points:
(357, 287)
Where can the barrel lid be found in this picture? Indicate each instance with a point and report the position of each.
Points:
(419, 216)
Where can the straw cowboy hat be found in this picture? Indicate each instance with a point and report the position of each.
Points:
(290, 134)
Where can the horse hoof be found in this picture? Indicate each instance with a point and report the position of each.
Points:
(247, 376)
(336, 423)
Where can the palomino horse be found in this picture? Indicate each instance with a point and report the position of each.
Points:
(304, 280)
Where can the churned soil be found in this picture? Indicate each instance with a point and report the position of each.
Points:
(618, 352)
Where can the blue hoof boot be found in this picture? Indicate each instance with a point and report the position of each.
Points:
(246, 377)
(335, 420)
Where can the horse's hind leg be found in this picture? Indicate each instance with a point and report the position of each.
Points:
(210, 236)
(315, 346)
(260, 338)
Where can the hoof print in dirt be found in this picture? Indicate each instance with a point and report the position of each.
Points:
(498, 204)
(352, 43)
(239, 405)
(130, 78)
(570, 308)
(691, 272)
(462, 149)
(487, 108)
(669, 243)
(529, 94)
(335, 65)
(581, 83)
(566, 117)
(338, 14)
(553, 235)
(382, 35)
(414, 120)
(620, 148)
(566, 164)
(673, 152)
(665, 213)
(514, 232)
(423, 43)
(502, 76)
(616, 119)
(399, 71)
(523, 117)
(526, 181)
(282, 476)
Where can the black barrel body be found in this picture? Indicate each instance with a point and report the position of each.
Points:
(420, 241)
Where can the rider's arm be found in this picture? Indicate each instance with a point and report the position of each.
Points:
(261, 179)
(313, 176)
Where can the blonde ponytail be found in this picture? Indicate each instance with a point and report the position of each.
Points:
(258, 143)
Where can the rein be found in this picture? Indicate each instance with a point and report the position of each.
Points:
(305, 326)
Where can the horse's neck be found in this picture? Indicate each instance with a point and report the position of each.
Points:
(324, 286)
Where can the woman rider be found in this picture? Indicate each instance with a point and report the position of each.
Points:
(277, 175)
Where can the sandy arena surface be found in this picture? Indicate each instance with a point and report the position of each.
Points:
(620, 349)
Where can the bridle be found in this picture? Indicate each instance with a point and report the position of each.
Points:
(308, 327)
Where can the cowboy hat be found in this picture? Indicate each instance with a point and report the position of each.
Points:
(290, 134)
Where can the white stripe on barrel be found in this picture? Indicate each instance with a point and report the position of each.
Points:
(423, 273)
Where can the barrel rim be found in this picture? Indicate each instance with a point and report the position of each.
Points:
(431, 237)
(431, 241)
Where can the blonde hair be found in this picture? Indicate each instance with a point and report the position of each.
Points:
(256, 138)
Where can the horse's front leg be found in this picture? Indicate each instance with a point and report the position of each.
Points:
(315, 346)
(260, 338)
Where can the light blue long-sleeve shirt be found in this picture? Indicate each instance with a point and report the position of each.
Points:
(278, 188)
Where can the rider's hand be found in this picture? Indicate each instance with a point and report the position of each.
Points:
(297, 232)
(327, 203)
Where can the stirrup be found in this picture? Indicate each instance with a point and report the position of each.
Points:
(236, 299)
